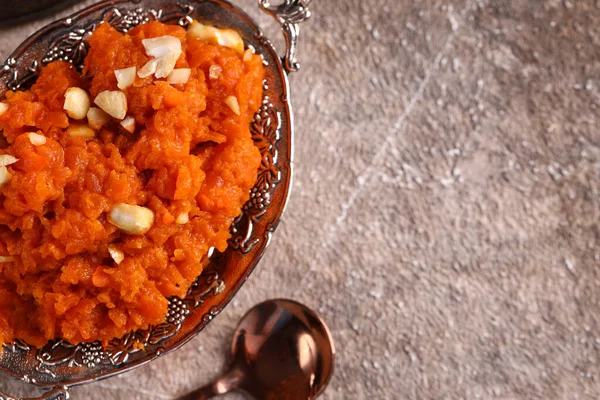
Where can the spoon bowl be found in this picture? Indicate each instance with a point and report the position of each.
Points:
(281, 350)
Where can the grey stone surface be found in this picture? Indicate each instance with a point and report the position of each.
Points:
(445, 214)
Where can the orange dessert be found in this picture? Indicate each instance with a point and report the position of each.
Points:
(115, 183)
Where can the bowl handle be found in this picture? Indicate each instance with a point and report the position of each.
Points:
(54, 394)
(289, 14)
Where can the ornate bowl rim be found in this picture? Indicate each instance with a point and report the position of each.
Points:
(272, 131)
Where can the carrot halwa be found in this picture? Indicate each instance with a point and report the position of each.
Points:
(110, 204)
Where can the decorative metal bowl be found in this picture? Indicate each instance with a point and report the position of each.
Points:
(60, 364)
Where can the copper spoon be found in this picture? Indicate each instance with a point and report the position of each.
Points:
(281, 350)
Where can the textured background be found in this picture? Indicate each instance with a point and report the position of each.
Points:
(445, 214)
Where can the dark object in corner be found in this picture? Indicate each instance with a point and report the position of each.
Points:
(14, 11)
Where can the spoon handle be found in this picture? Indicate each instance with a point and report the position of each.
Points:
(221, 385)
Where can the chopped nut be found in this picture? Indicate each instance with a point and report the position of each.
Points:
(4, 176)
(224, 37)
(149, 68)
(230, 38)
(166, 65)
(117, 255)
(77, 103)
(3, 108)
(166, 50)
(248, 55)
(202, 32)
(179, 76)
(97, 118)
(78, 130)
(214, 72)
(36, 139)
(232, 102)
(162, 46)
(125, 77)
(113, 102)
(183, 218)
(7, 159)
(6, 259)
(132, 219)
(129, 124)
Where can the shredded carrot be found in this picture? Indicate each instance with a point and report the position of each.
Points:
(189, 154)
